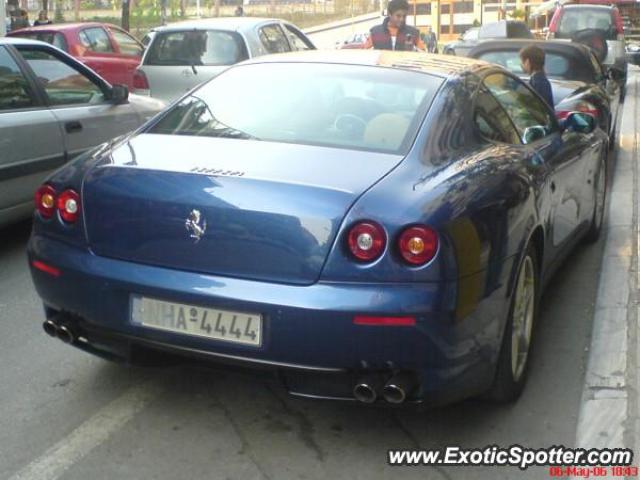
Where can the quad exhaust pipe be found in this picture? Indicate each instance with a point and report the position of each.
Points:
(399, 387)
(396, 390)
(367, 388)
(55, 329)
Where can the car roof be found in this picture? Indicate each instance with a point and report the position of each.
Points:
(439, 65)
(220, 23)
(546, 45)
(62, 27)
(20, 41)
(590, 6)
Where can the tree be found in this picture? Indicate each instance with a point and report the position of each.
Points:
(125, 14)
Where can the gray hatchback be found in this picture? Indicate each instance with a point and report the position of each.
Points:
(52, 109)
(185, 54)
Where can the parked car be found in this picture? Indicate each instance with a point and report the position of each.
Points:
(466, 42)
(357, 40)
(373, 227)
(599, 26)
(578, 80)
(488, 31)
(182, 55)
(53, 108)
(633, 53)
(108, 50)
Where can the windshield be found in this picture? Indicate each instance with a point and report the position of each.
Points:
(555, 65)
(196, 47)
(576, 19)
(358, 107)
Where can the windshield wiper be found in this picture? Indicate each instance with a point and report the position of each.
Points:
(228, 132)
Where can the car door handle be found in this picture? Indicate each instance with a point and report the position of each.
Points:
(73, 127)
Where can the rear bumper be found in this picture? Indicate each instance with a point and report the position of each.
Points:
(308, 330)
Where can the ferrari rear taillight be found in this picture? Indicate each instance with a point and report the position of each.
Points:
(45, 200)
(140, 81)
(68, 205)
(366, 240)
(418, 244)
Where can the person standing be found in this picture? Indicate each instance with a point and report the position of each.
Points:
(42, 19)
(394, 33)
(431, 40)
(532, 59)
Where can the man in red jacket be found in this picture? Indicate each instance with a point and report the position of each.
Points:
(394, 33)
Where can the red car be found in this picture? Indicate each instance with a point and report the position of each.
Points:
(107, 49)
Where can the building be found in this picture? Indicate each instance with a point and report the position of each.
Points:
(450, 18)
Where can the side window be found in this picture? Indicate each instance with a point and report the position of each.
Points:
(128, 45)
(96, 40)
(63, 84)
(491, 119)
(297, 39)
(273, 39)
(530, 115)
(14, 90)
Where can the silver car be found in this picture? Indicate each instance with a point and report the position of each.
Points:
(185, 54)
(53, 108)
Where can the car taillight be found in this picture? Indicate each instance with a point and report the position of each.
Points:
(366, 240)
(553, 25)
(617, 19)
(140, 81)
(45, 200)
(68, 204)
(418, 244)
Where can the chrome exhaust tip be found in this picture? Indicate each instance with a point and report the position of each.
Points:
(50, 328)
(399, 387)
(65, 334)
(366, 389)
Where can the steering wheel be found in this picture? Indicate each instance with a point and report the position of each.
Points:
(350, 124)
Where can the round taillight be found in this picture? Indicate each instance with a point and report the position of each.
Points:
(69, 205)
(418, 244)
(45, 200)
(366, 241)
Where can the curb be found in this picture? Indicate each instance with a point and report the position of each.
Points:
(608, 414)
(342, 23)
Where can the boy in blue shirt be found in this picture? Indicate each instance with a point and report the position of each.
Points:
(532, 59)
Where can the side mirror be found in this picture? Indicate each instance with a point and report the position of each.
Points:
(119, 94)
(580, 122)
(531, 134)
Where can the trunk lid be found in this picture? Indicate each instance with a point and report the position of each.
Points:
(167, 83)
(272, 210)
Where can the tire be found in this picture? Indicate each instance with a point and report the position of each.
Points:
(600, 194)
(515, 353)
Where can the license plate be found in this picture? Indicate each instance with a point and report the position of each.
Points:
(230, 326)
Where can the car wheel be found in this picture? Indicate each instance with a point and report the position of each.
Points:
(600, 197)
(513, 362)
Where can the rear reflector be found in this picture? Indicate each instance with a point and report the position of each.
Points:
(43, 267)
(384, 321)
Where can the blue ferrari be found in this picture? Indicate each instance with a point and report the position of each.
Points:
(370, 226)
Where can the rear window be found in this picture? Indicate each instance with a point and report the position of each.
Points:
(555, 65)
(196, 47)
(344, 106)
(574, 20)
(53, 38)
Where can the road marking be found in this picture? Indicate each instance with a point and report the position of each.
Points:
(93, 432)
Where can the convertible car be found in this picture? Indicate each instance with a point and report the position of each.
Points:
(374, 226)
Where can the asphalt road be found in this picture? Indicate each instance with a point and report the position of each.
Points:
(65, 414)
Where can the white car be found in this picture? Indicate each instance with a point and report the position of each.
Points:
(52, 109)
(183, 55)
